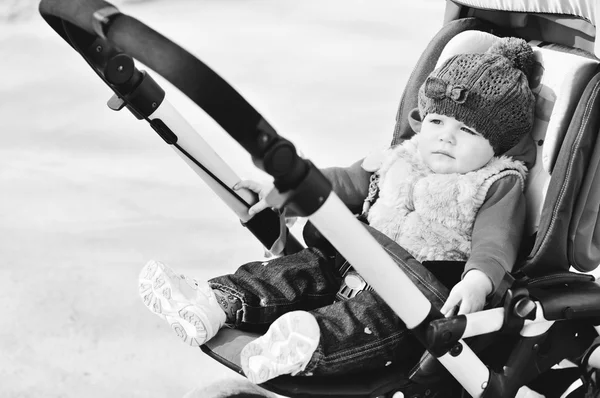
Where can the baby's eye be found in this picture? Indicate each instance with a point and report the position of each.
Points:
(435, 121)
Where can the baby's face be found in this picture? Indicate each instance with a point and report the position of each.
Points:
(449, 146)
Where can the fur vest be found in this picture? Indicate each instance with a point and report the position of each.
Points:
(432, 215)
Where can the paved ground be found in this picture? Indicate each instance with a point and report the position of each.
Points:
(87, 195)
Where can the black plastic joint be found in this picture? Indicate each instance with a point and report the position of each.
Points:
(280, 158)
(119, 69)
(144, 99)
(99, 52)
(421, 332)
(265, 136)
(259, 142)
(265, 226)
(310, 194)
(164, 131)
(513, 322)
(497, 386)
(444, 333)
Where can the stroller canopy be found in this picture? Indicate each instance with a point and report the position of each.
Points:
(550, 17)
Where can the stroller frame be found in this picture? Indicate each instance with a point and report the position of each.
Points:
(107, 41)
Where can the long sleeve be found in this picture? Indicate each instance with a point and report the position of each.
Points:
(351, 184)
(498, 232)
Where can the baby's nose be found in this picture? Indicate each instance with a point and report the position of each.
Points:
(447, 137)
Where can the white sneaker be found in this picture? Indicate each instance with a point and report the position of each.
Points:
(286, 348)
(190, 307)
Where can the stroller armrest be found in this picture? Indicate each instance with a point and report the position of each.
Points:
(550, 280)
(561, 296)
(570, 301)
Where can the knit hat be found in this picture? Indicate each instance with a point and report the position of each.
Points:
(488, 92)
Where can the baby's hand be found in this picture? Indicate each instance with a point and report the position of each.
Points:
(260, 188)
(469, 294)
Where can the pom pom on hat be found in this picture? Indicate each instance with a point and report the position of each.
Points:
(518, 52)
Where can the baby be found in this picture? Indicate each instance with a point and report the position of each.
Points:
(448, 194)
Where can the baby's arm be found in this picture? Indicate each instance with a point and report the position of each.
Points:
(497, 235)
(350, 183)
(469, 294)
(259, 188)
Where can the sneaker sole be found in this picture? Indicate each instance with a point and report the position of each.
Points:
(286, 348)
(156, 287)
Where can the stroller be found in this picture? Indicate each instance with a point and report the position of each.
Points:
(548, 316)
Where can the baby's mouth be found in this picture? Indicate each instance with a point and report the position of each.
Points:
(441, 152)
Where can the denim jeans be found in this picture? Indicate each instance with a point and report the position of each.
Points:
(357, 334)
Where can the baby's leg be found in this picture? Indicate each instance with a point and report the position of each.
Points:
(356, 335)
(256, 294)
(189, 306)
(286, 348)
(269, 289)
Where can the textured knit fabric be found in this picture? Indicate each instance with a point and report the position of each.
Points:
(488, 92)
(432, 215)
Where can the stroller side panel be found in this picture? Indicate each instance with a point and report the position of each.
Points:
(584, 236)
(559, 221)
